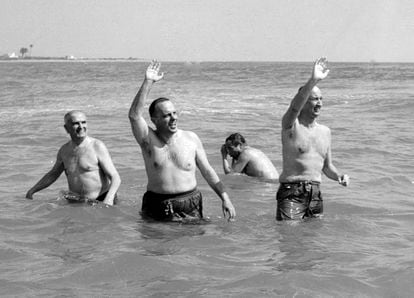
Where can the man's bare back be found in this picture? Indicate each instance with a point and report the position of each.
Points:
(258, 165)
(246, 159)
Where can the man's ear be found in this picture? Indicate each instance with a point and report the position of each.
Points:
(66, 128)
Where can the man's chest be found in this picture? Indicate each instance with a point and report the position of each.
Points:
(80, 161)
(181, 156)
(304, 140)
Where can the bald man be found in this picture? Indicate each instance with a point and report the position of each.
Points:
(89, 169)
(306, 152)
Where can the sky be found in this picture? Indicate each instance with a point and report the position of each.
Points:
(211, 30)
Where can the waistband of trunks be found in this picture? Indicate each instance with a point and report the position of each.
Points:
(163, 197)
(303, 182)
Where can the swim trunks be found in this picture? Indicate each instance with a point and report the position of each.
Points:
(173, 207)
(298, 200)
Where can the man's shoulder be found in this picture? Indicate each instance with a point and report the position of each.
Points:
(65, 147)
(247, 154)
(250, 150)
(254, 153)
(289, 132)
(323, 128)
(294, 124)
(188, 134)
(97, 146)
(96, 142)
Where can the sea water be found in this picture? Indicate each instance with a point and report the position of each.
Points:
(363, 246)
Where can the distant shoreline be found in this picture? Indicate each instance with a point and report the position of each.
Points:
(4, 58)
(66, 58)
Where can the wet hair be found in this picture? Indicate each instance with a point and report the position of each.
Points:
(154, 104)
(236, 139)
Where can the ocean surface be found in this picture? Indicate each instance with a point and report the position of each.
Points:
(363, 246)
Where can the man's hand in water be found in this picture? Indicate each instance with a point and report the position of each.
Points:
(344, 180)
(29, 195)
(228, 210)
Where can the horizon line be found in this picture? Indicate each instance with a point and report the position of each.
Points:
(141, 59)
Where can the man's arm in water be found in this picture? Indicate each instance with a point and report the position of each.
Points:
(330, 170)
(138, 124)
(48, 179)
(212, 179)
(226, 166)
(319, 72)
(108, 167)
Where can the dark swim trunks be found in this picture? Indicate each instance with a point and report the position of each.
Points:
(174, 207)
(298, 200)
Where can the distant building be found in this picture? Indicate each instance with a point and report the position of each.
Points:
(13, 56)
(70, 57)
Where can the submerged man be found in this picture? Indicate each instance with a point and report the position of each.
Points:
(246, 159)
(306, 152)
(89, 169)
(171, 157)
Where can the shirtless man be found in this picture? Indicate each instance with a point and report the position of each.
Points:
(89, 170)
(306, 152)
(246, 159)
(171, 157)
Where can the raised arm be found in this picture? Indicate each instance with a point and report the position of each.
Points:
(48, 178)
(319, 72)
(213, 180)
(108, 167)
(138, 124)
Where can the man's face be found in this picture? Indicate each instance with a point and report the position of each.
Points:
(314, 102)
(233, 151)
(76, 126)
(166, 117)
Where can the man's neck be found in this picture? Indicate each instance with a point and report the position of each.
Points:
(307, 121)
(167, 138)
(80, 142)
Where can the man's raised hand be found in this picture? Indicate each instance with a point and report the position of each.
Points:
(153, 71)
(320, 69)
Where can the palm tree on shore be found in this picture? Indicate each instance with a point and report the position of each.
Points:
(31, 46)
(23, 51)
